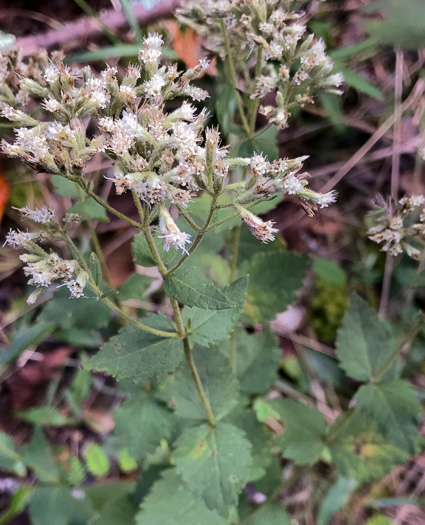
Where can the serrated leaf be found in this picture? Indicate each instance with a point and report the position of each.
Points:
(38, 456)
(75, 474)
(260, 441)
(126, 461)
(82, 313)
(275, 277)
(141, 423)
(44, 415)
(394, 407)
(191, 289)
(257, 361)
(363, 342)
(57, 506)
(96, 460)
(208, 326)
(359, 452)
(171, 503)
(138, 355)
(95, 268)
(271, 513)
(215, 464)
(304, 435)
(217, 379)
(89, 209)
(143, 255)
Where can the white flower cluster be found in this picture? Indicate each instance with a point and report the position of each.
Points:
(401, 227)
(45, 268)
(162, 157)
(293, 63)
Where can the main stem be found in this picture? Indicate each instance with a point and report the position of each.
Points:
(180, 326)
(191, 363)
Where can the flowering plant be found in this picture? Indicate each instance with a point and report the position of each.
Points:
(197, 413)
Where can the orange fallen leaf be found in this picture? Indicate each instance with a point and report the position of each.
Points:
(4, 193)
(188, 46)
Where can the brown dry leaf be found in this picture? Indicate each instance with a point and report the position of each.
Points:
(27, 385)
(99, 421)
(188, 46)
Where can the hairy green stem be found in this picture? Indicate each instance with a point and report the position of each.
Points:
(198, 238)
(112, 210)
(92, 284)
(233, 78)
(188, 219)
(182, 333)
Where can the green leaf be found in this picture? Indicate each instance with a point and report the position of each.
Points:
(143, 255)
(44, 415)
(303, 439)
(141, 423)
(208, 326)
(419, 280)
(171, 503)
(361, 84)
(119, 50)
(96, 460)
(271, 513)
(75, 474)
(363, 342)
(65, 187)
(264, 142)
(38, 456)
(138, 355)
(335, 499)
(329, 272)
(217, 379)
(191, 289)
(215, 464)
(403, 25)
(135, 287)
(89, 209)
(121, 511)
(394, 407)
(258, 437)
(102, 494)
(83, 313)
(9, 458)
(25, 337)
(359, 452)
(57, 506)
(95, 268)
(275, 277)
(126, 461)
(333, 106)
(257, 361)
(127, 7)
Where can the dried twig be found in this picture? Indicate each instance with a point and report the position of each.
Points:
(89, 27)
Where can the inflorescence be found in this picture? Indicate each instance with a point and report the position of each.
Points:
(163, 156)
